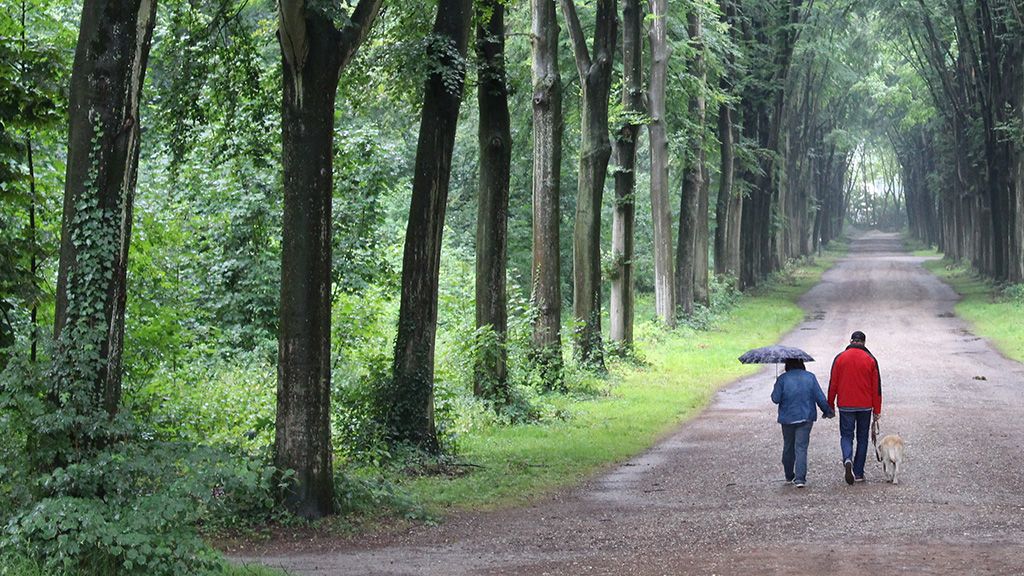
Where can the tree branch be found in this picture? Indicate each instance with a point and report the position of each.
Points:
(355, 33)
(579, 42)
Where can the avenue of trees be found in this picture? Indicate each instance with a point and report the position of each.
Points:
(310, 233)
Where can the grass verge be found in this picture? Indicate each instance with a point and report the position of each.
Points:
(681, 371)
(994, 312)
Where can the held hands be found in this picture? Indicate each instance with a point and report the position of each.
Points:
(876, 417)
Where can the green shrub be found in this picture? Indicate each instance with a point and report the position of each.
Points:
(86, 494)
(230, 402)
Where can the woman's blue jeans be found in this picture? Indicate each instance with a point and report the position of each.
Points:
(860, 422)
(795, 439)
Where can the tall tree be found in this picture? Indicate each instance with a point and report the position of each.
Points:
(693, 177)
(102, 162)
(495, 139)
(410, 396)
(595, 72)
(314, 51)
(724, 261)
(661, 210)
(623, 216)
(547, 173)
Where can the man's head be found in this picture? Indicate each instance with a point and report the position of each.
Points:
(857, 337)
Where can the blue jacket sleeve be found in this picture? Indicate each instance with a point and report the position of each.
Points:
(777, 391)
(819, 398)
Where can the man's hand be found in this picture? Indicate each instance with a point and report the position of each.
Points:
(877, 417)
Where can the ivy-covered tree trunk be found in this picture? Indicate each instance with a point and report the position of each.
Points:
(595, 73)
(661, 210)
(548, 125)
(410, 416)
(103, 153)
(623, 217)
(495, 138)
(313, 53)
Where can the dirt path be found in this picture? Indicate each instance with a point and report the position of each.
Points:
(710, 499)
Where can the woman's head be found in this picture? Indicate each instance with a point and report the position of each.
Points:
(794, 364)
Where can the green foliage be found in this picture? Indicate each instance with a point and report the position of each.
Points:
(723, 297)
(223, 402)
(85, 494)
(33, 71)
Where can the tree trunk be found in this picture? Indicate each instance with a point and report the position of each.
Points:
(723, 265)
(103, 153)
(595, 71)
(693, 183)
(621, 304)
(701, 293)
(410, 415)
(495, 139)
(547, 173)
(661, 210)
(33, 266)
(313, 54)
(302, 435)
(687, 240)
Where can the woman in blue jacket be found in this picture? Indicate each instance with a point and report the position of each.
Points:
(797, 392)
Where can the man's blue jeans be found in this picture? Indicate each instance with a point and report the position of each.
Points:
(860, 422)
(795, 439)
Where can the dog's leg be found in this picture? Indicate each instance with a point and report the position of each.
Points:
(895, 471)
(885, 468)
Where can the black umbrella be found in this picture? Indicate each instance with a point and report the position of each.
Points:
(774, 354)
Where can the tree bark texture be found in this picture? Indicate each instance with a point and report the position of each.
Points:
(103, 153)
(621, 309)
(701, 292)
(548, 124)
(595, 72)
(495, 139)
(410, 415)
(661, 210)
(313, 54)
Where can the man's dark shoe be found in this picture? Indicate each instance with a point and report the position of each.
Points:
(849, 471)
(858, 478)
(799, 483)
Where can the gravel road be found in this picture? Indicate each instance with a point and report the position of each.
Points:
(710, 499)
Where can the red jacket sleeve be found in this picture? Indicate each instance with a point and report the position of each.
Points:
(877, 389)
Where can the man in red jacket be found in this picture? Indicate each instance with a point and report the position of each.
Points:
(856, 386)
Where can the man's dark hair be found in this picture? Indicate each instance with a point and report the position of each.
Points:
(794, 364)
(858, 336)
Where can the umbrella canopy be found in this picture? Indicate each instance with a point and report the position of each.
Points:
(774, 354)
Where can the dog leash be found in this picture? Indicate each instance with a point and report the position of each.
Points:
(874, 438)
